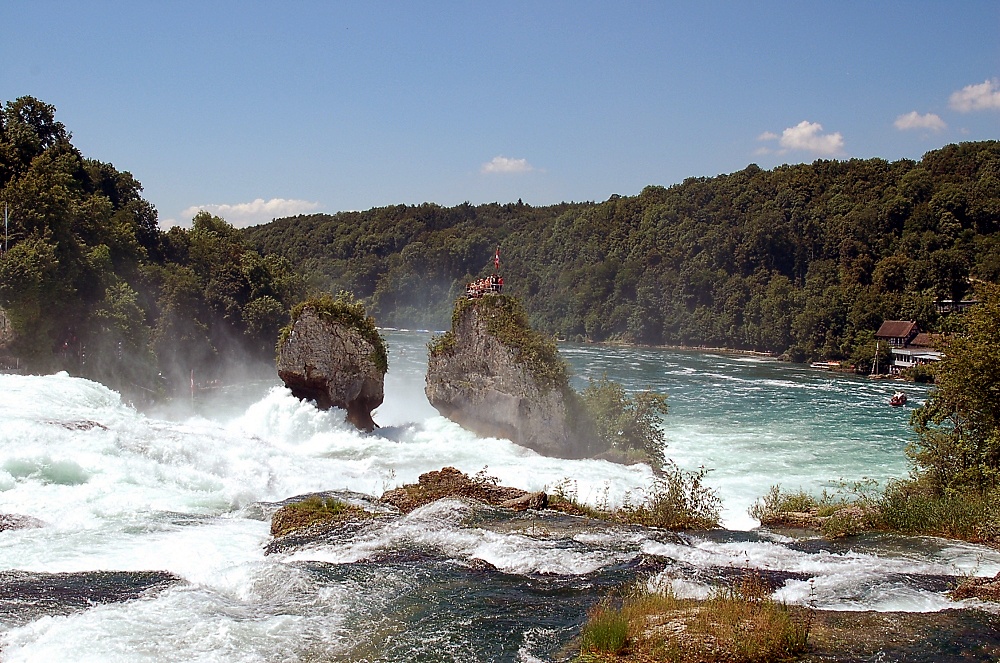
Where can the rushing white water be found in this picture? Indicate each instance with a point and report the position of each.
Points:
(119, 490)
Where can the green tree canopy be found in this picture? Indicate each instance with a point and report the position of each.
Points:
(958, 428)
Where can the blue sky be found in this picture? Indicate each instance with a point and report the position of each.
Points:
(256, 110)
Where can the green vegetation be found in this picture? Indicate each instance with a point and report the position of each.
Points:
(846, 512)
(958, 428)
(803, 259)
(919, 373)
(507, 322)
(314, 510)
(676, 500)
(627, 424)
(736, 624)
(954, 486)
(92, 285)
(346, 310)
(778, 502)
(971, 514)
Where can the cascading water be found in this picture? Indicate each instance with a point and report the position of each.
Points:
(153, 536)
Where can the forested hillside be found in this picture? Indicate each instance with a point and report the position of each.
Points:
(91, 285)
(804, 259)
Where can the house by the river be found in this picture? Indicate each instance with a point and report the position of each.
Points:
(909, 346)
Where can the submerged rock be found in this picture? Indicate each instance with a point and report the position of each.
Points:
(494, 375)
(449, 482)
(26, 596)
(916, 637)
(332, 354)
(17, 521)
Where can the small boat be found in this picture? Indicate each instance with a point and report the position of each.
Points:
(898, 399)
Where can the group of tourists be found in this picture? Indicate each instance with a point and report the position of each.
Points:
(491, 285)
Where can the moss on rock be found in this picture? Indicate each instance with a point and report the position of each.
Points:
(507, 321)
(347, 310)
(314, 511)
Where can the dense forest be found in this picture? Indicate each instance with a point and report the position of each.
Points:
(89, 283)
(805, 260)
(802, 259)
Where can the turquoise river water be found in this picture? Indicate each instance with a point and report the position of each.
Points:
(151, 528)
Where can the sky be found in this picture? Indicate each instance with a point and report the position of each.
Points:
(260, 110)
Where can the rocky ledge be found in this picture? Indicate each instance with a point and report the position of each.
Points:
(450, 482)
(332, 353)
(494, 375)
(317, 514)
(984, 589)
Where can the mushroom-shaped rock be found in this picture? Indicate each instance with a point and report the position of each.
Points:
(496, 376)
(333, 354)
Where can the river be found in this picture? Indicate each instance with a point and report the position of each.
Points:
(154, 523)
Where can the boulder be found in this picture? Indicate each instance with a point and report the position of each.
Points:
(450, 482)
(17, 521)
(492, 374)
(537, 501)
(315, 514)
(334, 360)
(984, 589)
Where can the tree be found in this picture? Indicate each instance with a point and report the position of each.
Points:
(627, 423)
(28, 284)
(958, 428)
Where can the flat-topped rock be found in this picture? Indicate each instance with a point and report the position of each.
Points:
(450, 482)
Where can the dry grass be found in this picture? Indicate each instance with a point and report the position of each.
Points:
(737, 624)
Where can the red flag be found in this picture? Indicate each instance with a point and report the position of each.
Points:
(496, 259)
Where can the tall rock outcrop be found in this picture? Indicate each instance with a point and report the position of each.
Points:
(333, 354)
(494, 375)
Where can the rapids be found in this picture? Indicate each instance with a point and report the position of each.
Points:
(152, 544)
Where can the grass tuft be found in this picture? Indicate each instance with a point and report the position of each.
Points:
(905, 507)
(740, 623)
(313, 510)
(676, 500)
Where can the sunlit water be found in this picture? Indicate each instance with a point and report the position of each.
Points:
(178, 491)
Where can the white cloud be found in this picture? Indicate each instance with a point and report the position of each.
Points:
(809, 137)
(982, 96)
(914, 120)
(253, 213)
(767, 135)
(503, 164)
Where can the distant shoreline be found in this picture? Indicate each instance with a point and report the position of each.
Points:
(682, 348)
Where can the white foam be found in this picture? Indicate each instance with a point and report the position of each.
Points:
(119, 490)
(436, 528)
